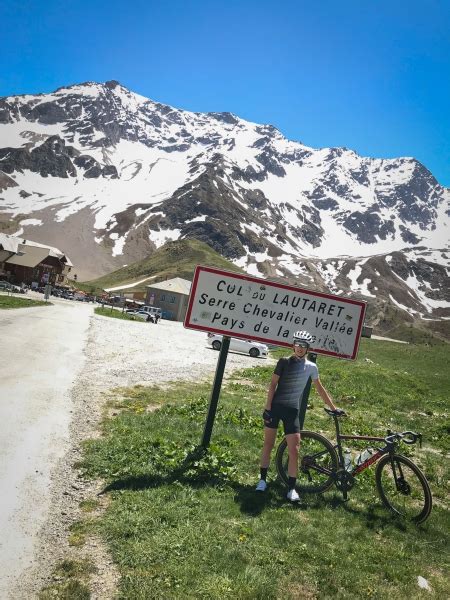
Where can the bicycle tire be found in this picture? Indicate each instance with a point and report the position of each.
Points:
(414, 501)
(315, 449)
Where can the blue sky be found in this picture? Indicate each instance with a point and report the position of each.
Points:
(371, 75)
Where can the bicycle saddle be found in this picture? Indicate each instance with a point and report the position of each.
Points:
(336, 413)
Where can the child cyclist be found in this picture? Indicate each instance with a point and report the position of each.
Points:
(283, 403)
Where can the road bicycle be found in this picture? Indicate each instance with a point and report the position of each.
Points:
(400, 483)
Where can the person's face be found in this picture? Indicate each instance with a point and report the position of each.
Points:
(300, 349)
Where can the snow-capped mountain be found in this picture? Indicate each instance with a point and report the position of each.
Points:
(110, 175)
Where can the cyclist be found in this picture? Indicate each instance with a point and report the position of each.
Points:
(283, 403)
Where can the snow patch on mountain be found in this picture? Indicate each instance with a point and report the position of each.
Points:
(142, 173)
(159, 238)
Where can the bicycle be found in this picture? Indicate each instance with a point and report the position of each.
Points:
(400, 483)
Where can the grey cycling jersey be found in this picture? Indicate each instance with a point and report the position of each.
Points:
(294, 375)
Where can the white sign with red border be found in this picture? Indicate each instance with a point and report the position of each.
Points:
(248, 307)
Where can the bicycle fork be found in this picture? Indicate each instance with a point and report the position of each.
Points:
(400, 482)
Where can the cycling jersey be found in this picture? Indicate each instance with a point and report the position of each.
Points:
(294, 375)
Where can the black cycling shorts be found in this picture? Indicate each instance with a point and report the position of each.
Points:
(288, 415)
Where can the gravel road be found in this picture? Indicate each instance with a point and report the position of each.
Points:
(116, 353)
(40, 355)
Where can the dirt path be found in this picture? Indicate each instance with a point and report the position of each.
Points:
(41, 352)
(117, 353)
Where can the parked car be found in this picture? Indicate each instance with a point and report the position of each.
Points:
(10, 287)
(144, 316)
(153, 311)
(255, 349)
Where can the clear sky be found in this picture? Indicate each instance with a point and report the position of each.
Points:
(371, 75)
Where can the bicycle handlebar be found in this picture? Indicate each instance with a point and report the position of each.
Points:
(409, 437)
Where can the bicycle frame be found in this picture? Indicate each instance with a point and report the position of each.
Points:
(371, 460)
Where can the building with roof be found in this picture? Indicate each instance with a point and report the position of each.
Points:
(171, 296)
(25, 261)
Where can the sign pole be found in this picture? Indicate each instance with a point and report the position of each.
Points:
(215, 391)
(312, 356)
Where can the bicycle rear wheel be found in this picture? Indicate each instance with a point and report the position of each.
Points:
(403, 488)
(317, 462)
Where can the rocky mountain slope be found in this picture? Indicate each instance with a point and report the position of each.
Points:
(110, 176)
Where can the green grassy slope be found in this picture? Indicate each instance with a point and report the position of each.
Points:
(183, 530)
(174, 259)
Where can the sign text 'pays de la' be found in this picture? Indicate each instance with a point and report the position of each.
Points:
(243, 306)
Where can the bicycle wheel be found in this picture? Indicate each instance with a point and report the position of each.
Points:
(317, 462)
(403, 488)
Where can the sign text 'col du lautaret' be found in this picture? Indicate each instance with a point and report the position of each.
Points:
(249, 307)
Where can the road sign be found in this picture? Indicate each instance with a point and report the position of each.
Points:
(243, 306)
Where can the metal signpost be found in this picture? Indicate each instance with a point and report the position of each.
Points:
(312, 356)
(215, 392)
(47, 291)
(248, 307)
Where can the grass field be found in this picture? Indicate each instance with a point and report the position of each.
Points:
(14, 302)
(174, 259)
(115, 314)
(196, 529)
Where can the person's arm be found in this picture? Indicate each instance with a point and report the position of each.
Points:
(323, 393)
(271, 391)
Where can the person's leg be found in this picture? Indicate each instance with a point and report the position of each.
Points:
(270, 436)
(293, 444)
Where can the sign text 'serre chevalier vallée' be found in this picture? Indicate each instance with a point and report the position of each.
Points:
(243, 306)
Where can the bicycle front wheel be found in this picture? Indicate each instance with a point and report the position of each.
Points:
(317, 463)
(403, 488)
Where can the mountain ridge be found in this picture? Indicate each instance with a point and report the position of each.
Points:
(115, 175)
